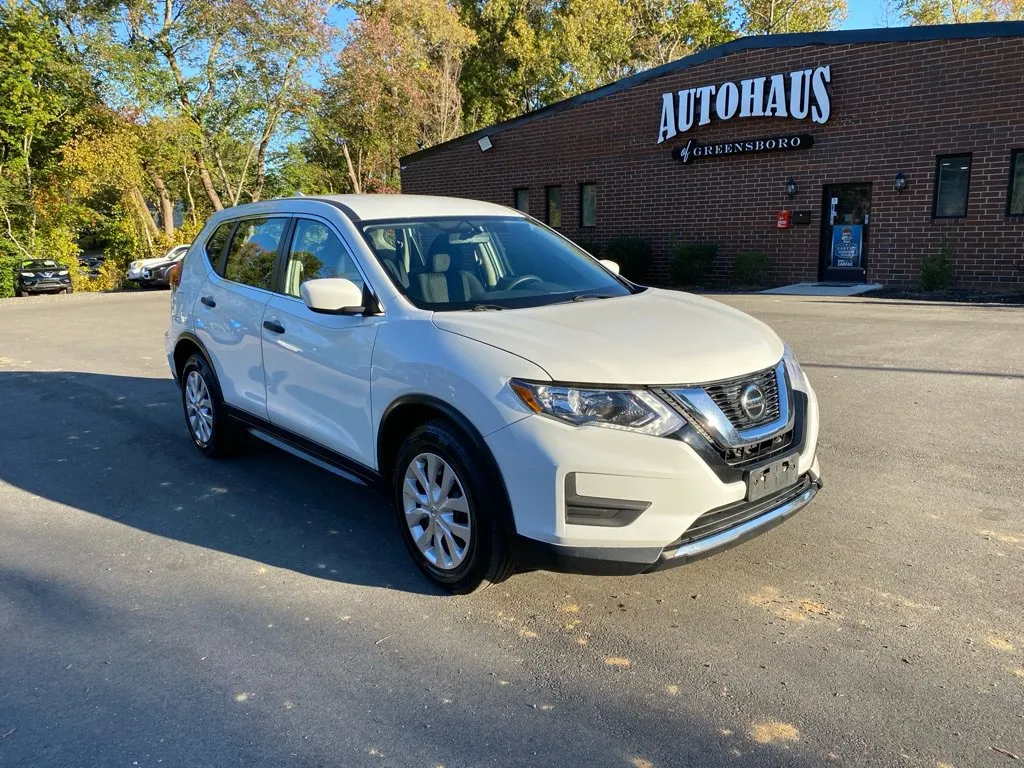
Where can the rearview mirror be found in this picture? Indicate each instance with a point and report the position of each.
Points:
(333, 296)
(610, 265)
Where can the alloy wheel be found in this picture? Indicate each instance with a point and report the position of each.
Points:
(199, 407)
(437, 511)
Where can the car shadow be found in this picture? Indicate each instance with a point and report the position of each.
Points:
(117, 447)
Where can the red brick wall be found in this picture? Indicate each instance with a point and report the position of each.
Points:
(895, 107)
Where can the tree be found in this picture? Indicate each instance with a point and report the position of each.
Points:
(47, 98)
(920, 12)
(395, 88)
(231, 68)
(514, 67)
(771, 17)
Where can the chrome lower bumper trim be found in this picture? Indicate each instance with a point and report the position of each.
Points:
(745, 530)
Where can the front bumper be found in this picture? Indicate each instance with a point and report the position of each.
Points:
(756, 518)
(45, 286)
(624, 501)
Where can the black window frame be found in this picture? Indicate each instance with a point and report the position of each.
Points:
(1015, 154)
(547, 205)
(967, 190)
(515, 199)
(583, 224)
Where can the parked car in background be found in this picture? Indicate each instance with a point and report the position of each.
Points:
(42, 276)
(91, 263)
(518, 399)
(153, 272)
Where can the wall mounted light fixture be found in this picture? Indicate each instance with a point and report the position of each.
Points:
(485, 143)
(791, 188)
(900, 183)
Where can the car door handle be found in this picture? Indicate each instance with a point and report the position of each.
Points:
(273, 327)
(208, 301)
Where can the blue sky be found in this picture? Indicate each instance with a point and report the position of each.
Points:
(862, 14)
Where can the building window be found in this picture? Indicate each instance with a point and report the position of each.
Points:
(952, 180)
(588, 205)
(1015, 202)
(553, 208)
(521, 199)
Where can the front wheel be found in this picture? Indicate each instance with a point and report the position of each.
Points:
(449, 507)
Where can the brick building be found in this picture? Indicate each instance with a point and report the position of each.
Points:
(874, 146)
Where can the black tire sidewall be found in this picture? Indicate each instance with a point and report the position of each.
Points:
(451, 445)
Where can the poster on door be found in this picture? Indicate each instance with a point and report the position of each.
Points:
(847, 240)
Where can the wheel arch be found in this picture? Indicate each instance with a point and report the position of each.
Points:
(410, 411)
(187, 345)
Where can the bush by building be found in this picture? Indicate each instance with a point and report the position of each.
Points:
(750, 270)
(632, 254)
(690, 264)
(937, 269)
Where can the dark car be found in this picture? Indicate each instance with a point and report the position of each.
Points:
(42, 276)
(158, 275)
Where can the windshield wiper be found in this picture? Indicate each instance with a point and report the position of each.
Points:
(589, 296)
(486, 308)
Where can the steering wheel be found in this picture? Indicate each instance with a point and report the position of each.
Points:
(522, 280)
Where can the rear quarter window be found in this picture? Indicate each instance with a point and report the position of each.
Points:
(215, 244)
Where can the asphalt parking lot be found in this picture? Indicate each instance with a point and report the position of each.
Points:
(160, 608)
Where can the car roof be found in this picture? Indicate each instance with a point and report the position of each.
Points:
(382, 207)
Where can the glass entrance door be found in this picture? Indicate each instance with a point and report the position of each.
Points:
(845, 222)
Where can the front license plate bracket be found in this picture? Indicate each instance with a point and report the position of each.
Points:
(772, 478)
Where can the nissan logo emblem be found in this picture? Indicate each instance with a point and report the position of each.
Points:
(752, 401)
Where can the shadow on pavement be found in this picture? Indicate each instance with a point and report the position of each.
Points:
(92, 683)
(117, 446)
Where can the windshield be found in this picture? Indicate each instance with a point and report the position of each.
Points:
(40, 264)
(486, 263)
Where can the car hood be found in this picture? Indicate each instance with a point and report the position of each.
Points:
(654, 337)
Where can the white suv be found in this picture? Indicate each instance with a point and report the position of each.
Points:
(518, 400)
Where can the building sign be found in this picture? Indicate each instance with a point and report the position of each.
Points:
(797, 95)
(847, 240)
(692, 150)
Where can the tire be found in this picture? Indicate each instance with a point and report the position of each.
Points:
(474, 500)
(211, 430)
(18, 293)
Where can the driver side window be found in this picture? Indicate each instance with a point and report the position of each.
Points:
(316, 252)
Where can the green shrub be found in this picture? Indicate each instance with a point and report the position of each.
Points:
(937, 269)
(632, 254)
(750, 270)
(9, 266)
(691, 263)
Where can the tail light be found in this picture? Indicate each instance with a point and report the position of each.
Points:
(174, 276)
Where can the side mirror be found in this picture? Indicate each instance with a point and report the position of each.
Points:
(333, 296)
(610, 265)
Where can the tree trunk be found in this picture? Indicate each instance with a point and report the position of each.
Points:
(166, 204)
(353, 176)
(204, 177)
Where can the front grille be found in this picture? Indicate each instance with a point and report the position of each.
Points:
(752, 454)
(726, 395)
(724, 518)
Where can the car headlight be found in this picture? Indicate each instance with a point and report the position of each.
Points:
(63, 273)
(134, 265)
(633, 410)
(797, 379)
(28, 274)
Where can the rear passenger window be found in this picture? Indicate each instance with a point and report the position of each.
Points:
(215, 245)
(253, 250)
(317, 252)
